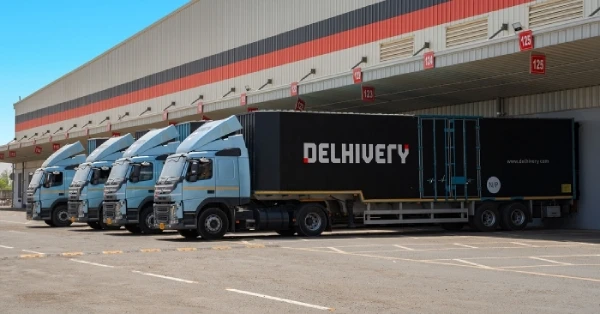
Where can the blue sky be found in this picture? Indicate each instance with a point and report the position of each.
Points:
(42, 40)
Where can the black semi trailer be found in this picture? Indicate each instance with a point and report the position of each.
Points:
(377, 169)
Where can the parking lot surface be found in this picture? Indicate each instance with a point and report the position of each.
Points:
(404, 270)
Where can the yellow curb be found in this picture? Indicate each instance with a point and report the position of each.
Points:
(31, 255)
(221, 248)
(186, 249)
(72, 254)
(150, 250)
(112, 252)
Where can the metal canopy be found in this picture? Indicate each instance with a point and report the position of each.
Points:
(478, 72)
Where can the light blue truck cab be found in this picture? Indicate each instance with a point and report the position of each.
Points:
(86, 191)
(47, 191)
(129, 190)
(205, 185)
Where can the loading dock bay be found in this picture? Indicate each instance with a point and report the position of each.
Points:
(376, 271)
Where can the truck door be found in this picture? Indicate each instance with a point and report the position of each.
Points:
(52, 189)
(227, 185)
(200, 180)
(450, 158)
(140, 186)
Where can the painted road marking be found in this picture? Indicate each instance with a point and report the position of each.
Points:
(186, 249)
(282, 300)
(336, 250)
(6, 247)
(90, 263)
(471, 263)
(16, 222)
(31, 255)
(112, 252)
(549, 260)
(149, 250)
(523, 244)
(34, 252)
(72, 254)
(163, 277)
(467, 246)
(404, 247)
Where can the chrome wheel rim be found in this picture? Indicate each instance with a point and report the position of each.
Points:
(313, 221)
(213, 223)
(488, 218)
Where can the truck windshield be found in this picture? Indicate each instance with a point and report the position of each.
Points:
(36, 179)
(81, 175)
(173, 169)
(118, 172)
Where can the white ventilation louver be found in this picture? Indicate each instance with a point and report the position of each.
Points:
(397, 49)
(554, 11)
(468, 32)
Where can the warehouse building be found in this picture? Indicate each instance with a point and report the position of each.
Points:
(211, 59)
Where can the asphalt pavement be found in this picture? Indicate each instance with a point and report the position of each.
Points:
(403, 270)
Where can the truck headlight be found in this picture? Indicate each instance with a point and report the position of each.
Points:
(81, 209)
(173, 214)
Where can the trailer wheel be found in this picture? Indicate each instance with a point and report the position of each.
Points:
(487, 218)
(60, 216)
(312, 220)
(189, 234)
(212, 224)
(515, 216)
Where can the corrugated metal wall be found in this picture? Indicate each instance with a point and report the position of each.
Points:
(482, 108)
(206, 28)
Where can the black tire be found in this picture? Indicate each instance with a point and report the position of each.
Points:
(212, 224)
(49, 223)
(286, 233)
(515, 217)
(189, 234)
(487, 218)
(60, 216)
(94, 225)
(453, 226)
(133, 229)
(146, 223)
(311, 219)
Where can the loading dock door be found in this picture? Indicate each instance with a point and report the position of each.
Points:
(449, 158)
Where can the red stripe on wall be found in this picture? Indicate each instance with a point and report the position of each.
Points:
(439, 14)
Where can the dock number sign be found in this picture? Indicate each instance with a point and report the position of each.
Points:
(37, 150)
(537, 64)
(429, 60)
(526, 40)
(55, 146)
(368, 93)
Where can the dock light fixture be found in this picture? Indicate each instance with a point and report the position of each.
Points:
(426, 45)
(59, 129)
(169, 106)
(105, 119)
(504, 27)
(232, 90)
(269, 81)
(517, 26)
(362, 60)
(200, 97)
(88, 123)
(312, 71)
(148, 109)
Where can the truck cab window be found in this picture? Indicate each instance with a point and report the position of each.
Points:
(146, 173)
(199, 170)
(53, 179)
(99, 176)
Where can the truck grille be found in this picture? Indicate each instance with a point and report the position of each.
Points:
(29, 211)
(73, 209)
(109, 210)
(74, 194)
(162, 213)
(110, 197)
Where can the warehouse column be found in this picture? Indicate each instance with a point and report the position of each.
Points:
(350, 208)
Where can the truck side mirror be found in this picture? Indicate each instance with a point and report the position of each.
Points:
(193, 172)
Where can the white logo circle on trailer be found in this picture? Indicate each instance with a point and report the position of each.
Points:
(493, 185)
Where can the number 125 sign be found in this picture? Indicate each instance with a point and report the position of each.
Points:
(526, 40)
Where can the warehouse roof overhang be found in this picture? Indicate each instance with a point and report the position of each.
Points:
(482, 71)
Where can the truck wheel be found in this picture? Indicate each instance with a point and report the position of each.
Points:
(60, 216)
(189, 234)
(147, 221)
(49, 223)
(94, 225)
(133, 229)
(487, 218)
(212, 224)
(312, 220)
(515, 216)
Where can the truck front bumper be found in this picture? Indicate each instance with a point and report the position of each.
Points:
(113, 214)
(79, 212)
(33, 211)
(165, 217)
